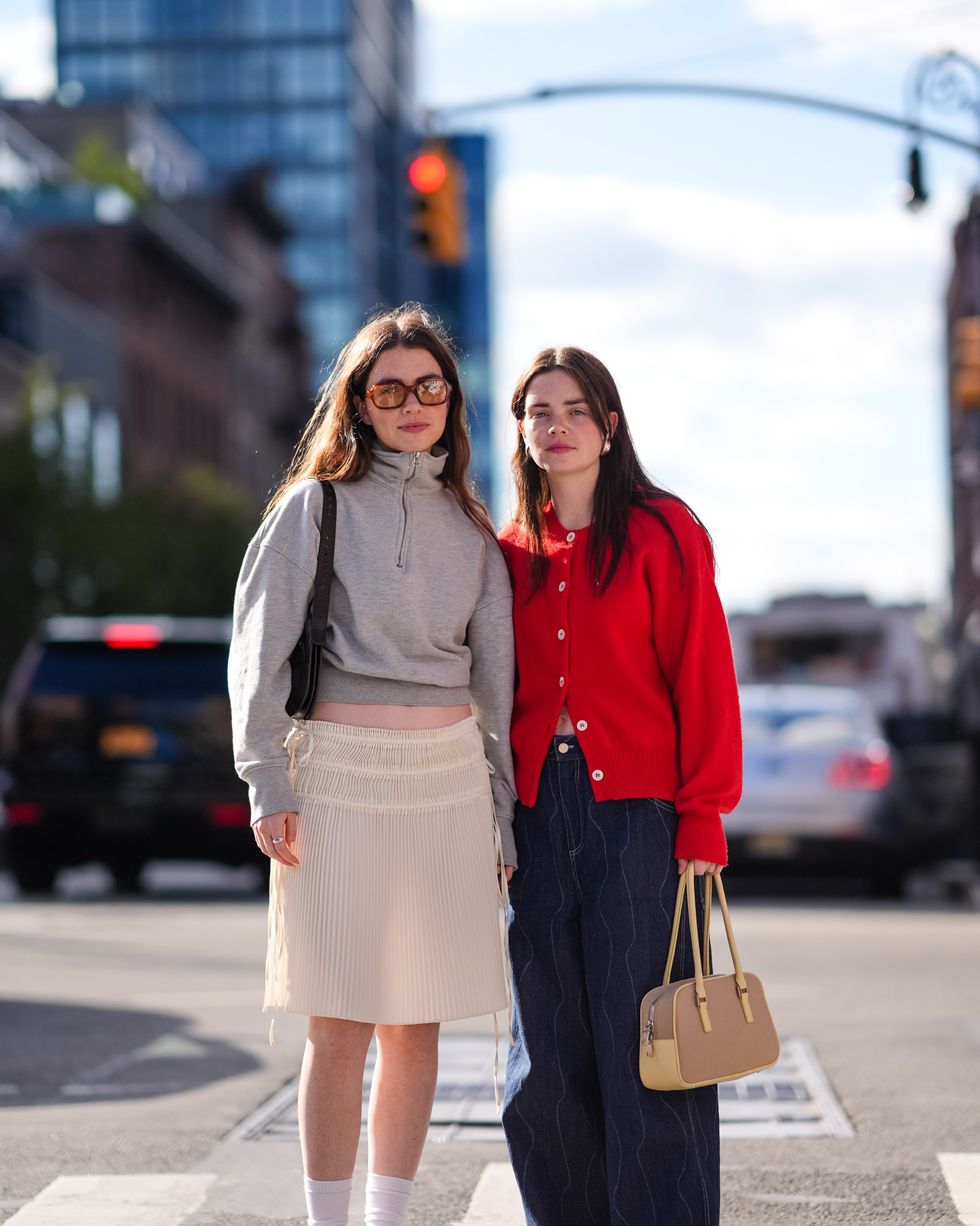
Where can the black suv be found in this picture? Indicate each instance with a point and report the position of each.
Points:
(116, 739)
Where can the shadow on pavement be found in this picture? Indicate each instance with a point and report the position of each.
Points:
(54, 1053)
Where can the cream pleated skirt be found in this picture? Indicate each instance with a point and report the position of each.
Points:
(394, 914)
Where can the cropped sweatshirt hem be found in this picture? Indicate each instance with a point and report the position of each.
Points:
(337, 685)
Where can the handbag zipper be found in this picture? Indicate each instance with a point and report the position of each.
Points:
(648, 1032)
(416, 459)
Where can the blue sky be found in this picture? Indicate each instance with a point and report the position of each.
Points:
(772, 314)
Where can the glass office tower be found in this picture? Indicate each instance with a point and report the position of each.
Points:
(321, 90)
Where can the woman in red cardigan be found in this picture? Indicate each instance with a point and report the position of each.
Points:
(627, 748)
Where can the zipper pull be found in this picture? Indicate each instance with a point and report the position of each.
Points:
(648, 1033)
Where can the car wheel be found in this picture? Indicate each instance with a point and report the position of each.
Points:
(34, 876)
(126, 875)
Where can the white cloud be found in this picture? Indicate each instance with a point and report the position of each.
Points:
(841, 28)
(27, 58)
(521, 11)
(781, 368)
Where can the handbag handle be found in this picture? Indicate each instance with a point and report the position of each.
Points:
(685, 890)
(320, 604)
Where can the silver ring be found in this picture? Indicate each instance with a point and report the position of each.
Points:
(278, 838)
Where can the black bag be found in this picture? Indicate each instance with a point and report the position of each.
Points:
(304, 660)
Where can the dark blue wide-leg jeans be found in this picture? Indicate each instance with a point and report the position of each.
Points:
(593, 901)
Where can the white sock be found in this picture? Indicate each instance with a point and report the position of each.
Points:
(386, 1200)
(327, 1200)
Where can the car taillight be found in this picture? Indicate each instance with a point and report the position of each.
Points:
(23, 813)
(869, 769)
(229, 815)
(132, 634)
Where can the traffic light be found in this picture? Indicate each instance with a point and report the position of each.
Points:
(438, 204)
(966, 363)
(915, 184)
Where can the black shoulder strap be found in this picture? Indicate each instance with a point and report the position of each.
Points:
(320, 605)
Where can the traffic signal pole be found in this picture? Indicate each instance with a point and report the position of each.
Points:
(436, 117)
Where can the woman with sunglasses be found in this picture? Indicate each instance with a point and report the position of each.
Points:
(627, 748)
(387, 812)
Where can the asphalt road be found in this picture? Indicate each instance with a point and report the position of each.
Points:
(132, 1044)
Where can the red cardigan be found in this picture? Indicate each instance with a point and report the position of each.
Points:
(645, 667)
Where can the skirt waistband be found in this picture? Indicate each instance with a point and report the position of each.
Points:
(317, 729)
(387, 753)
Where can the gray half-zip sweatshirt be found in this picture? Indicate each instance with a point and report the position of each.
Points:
(420, 615)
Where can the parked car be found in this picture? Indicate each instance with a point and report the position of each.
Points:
(820, 785)
(116, 740)
(937, 786)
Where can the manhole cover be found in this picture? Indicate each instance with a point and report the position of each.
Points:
(792, 1099)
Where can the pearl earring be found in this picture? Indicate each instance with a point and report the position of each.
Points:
(606, 447)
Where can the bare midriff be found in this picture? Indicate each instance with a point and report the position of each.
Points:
(361, 715)
(564, 725)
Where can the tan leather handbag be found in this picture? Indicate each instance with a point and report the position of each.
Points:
(711, 1028)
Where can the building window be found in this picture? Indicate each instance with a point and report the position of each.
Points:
(257, 17)
(103, 73)
(119, 72)
(217, 75)
(116, 22)
(313, 16)
(75, 19)
(283, 18)
(105, 21)
(309, 73)
(179, 78)
(313, 134)
(320, 262)
(187, 20)
(330, 322)
(227, 139)
(106, 456)
(253, 82)
(313, 197)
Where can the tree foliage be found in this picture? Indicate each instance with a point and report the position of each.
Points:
(173, 550)
(96, 160)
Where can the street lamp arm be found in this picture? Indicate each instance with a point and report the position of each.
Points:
(737, 92)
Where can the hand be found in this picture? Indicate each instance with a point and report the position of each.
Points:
(509, 870)
(273, 826)
(700, 867)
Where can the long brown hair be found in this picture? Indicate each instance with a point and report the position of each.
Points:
(622, 484)
(336, 444)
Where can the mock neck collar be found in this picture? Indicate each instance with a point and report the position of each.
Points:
(396, 467)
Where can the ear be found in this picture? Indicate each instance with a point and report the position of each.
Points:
(361, 406)
(613, 422)
(520, 427)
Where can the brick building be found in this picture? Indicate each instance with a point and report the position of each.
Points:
(172, 315)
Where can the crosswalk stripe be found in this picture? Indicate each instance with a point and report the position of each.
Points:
(496, 1201)
(115, 1200)
(962, 1174)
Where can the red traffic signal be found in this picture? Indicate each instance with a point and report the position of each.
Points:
(427, 172)
(438, 204)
